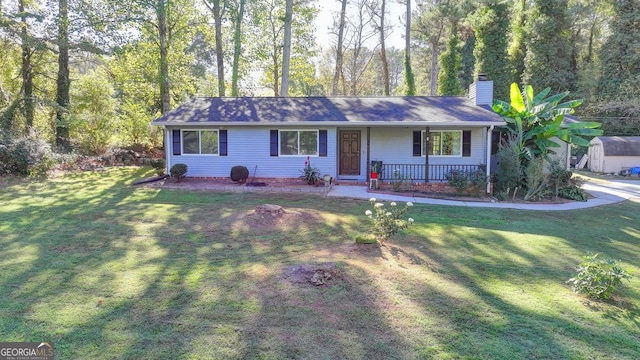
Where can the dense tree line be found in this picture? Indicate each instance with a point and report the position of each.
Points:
(88, 75)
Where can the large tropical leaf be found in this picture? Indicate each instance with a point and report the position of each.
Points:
(517, 102)
(541, 95)
(554, 99)
(537, 118)
(584, 125)
(501, 107)
(528, 93)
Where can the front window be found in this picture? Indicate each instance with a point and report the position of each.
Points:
(442, 143)
(299, 142)
(198, 142)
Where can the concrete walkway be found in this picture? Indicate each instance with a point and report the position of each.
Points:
(604, 193)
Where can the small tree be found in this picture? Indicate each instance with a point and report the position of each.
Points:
(536, 180)
(509, 173)
(598, 278)
(532, 122)
(535, 119)
(558, 176)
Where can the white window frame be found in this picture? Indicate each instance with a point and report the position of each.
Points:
(199, 131)
(317, 131)
(422, 147)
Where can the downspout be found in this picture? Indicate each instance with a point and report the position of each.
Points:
(167, 143)
(426, 155)
(368, 164)
(488, 159)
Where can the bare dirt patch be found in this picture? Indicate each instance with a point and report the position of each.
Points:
(273, 216)
(320, 274)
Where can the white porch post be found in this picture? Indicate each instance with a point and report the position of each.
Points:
(488, 159)
(368, 166)
(167, 151)
(426, 155)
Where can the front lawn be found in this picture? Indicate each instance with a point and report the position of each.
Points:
(109, 271)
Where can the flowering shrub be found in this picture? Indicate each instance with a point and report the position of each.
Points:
(387, 221)
(310, 174)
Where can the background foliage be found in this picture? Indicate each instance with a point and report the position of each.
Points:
(129, 61)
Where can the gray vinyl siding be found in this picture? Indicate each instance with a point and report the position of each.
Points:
(250, 146)
(395, 146)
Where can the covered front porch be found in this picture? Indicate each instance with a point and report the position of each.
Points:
(412, 154)
(423, 172)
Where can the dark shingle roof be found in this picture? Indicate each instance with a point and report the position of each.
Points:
(446, 110)
(620, 145)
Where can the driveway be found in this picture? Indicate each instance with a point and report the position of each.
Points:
(624, 189)
(605, 192)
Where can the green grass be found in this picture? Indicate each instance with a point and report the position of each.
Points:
(106, 270)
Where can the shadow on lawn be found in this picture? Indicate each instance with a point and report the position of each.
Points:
(46, 255)
(117, 272)
(496, 328)
(137, 273)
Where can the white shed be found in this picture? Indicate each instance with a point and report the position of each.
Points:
(612, 154)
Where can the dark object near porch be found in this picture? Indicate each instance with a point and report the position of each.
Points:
(150, 180)
(178, 171)
(631, 171)
(239, 174)
(256, 183)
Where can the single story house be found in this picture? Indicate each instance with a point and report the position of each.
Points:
(419, 138)
(612, 154)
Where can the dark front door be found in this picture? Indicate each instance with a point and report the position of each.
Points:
(349, 152)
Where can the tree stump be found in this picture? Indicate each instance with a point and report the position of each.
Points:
(268, 209)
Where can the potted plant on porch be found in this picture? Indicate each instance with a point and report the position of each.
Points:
(310, 174)
(375, 169)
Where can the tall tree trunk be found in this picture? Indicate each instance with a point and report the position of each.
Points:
(63, 82)
(433, 76)
(237, 49)
(27, 69)
(589, 58)
(408, 72)
(286, 50)
(575, 51)
(383, 51)
(161, 13)
(276, 69)
(339, 50)
(518, 48)
(217, 18)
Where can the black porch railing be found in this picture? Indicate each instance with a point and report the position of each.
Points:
(414, 172)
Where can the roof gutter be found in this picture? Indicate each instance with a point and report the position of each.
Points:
(489, 136)
(448, 124)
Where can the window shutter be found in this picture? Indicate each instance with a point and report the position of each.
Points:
(417, 143)
(274, 142)
(223, 142)
(176, 142)
(322, 135)
(466, 143)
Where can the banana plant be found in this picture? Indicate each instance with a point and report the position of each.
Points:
(534, 120)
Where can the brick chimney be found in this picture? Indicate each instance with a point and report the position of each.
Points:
(481, 91)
